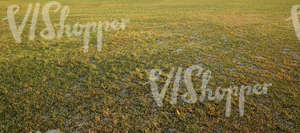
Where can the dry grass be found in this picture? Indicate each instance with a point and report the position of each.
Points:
(54, 85)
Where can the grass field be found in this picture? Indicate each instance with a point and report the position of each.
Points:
(55, 85)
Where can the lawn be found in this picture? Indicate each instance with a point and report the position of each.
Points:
(54, 84)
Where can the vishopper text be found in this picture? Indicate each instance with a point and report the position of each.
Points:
(191, 96)
(295, 12)
(49, 33)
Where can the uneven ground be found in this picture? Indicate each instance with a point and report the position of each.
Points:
(54, 85)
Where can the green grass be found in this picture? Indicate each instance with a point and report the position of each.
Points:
(54, 85)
